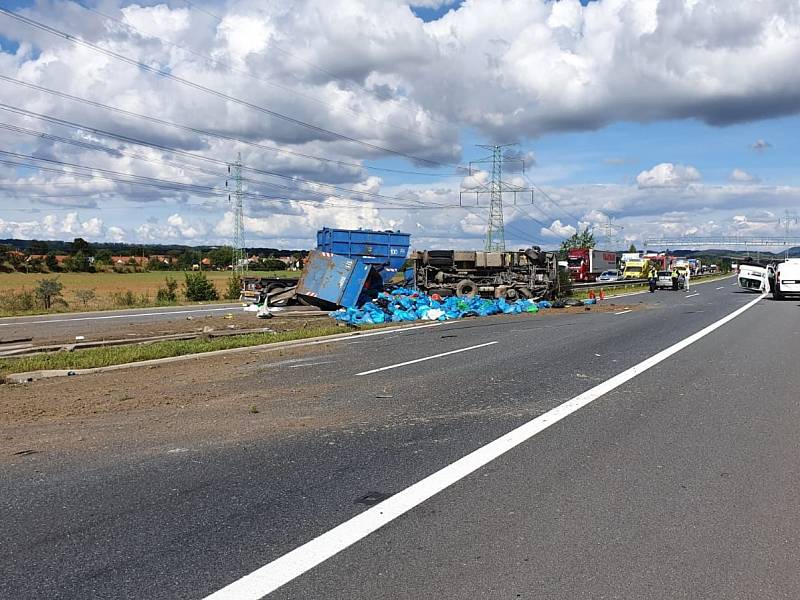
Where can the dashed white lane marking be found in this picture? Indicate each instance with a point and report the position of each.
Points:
(418, 360)
(624, 312)
(722, 287)
(282, 570)
(692, 295)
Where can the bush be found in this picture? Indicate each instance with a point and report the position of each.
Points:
(197, 287)
(234, 291)
(126, 298)
(48, 291)
(169, 293)
(14, 302)
(270, 264)
(85, 296)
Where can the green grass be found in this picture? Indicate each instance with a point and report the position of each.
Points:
(103, 357)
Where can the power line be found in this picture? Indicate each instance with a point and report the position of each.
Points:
(216, 135)
(550, 199)
(222, 95)
(132, 179)
(311, 64)
(128, 139)
(232, 68)
(537, 221)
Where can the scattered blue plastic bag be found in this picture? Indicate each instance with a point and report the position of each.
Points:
(404, 304)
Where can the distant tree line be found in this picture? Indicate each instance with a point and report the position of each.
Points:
(35, 256)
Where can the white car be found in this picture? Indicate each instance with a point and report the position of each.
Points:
(787, 279)
(609, 276)
(752, 277)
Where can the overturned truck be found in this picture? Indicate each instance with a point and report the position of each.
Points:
(530, 273)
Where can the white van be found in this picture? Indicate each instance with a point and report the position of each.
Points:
(787, 279)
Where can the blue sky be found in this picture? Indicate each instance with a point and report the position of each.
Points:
(615, 115)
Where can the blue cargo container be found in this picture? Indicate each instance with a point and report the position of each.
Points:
(337, 279)
(386, 250)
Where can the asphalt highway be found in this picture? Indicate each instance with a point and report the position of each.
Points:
(681, 481)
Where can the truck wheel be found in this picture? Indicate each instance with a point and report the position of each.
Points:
(511, 294)
(525, 293)
(466, 288)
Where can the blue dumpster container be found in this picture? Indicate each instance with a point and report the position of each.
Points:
(340, 280)
(386, 250)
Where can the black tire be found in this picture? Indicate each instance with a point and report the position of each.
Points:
(466, 288)
(776, 293)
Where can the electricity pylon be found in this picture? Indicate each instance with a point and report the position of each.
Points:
(495, 229)
(239, 260)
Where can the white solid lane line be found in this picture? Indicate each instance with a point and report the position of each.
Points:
(417, 360)
(691, 295)
(624, 312)
(282, 570)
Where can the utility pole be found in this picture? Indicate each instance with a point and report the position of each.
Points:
(609, 230)
(495, 229)
(239, 259)
(787, 220)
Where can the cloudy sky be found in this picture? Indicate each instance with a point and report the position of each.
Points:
(118, 120)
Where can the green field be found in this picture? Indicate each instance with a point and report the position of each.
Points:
(105, 286)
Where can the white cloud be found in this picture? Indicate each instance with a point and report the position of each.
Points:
(403, 84)
(558, 229)
(740, 176)
(760, 145)
(116, 234)
(668, 175)
(53, 227)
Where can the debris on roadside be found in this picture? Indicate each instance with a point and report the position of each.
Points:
(411, 305)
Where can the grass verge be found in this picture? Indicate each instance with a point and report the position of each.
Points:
(104, 357)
